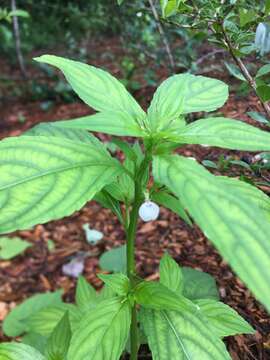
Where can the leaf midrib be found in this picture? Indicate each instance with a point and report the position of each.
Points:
(109, 327)
(55, 171)
(175, 334)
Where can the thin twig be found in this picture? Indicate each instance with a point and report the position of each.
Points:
(163, 35)
(208, 55)
(16, 30)
(242, 67)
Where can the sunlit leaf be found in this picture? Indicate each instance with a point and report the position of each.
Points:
(46, 178)
(223, 319)
(182, 94)
(234, 215)
(119, 123)
(96, 87)
(181, 335)
(225, 133)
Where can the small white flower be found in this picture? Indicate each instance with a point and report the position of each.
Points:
(149, 211)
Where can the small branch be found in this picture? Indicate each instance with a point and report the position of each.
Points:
(163, 35)
(208, 55)
(16, 31)
(243, 69)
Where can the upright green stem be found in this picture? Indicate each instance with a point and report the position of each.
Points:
(131, 268)
(131, 238)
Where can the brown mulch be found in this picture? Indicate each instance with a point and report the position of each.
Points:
(39, 271)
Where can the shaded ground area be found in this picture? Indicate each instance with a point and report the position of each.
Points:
(40, 270)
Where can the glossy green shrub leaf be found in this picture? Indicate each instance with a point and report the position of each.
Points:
(264, 92)
(181, 335)
(223, 319)
(169, 7)
(199, 285)
(11, 247)
(170, 274)
(103, 333)
(118, 282)
(225, 133)
(255, 115)
(114, 260)
(264, 70)
(119, 123)
(15, 325)
(172, 203)
(154, 295)
(17, 351)
(85, 293)
(58, 342)
(96, 87)
(183, 94)
(234, 71)
(234, 215)
(46, 178)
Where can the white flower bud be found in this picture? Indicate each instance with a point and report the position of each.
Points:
(149, 211)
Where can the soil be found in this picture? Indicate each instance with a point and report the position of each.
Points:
(39, 270)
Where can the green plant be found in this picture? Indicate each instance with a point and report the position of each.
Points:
(9, 248)
(240, 27)
(54, 169)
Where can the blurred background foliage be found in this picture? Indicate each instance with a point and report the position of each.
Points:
(147, 44)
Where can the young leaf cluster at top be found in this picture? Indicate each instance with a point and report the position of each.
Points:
(180, 316)
(54, 169)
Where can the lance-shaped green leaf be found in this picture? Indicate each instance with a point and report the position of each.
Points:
(235, 216)
(96, 87)
(171, 274)
(85, 293)
(119, 283)
(181, 335)
(225, 133)
(119, 123)
(170, 202)
(47, 178)
(154, 295)
(44, 321)
(223, 319)
(103, 333)
(17, 351)
(15, 323)
(75, 135)
(58, 342)
(169, 7)
(182, 94)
